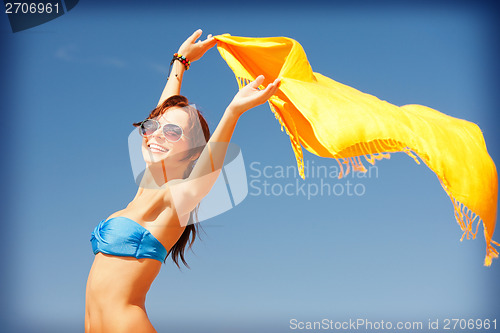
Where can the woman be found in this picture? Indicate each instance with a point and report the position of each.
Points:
(131, 244)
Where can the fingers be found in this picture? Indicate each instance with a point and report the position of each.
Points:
(257, 82)
(263, 95)
(271, 89)
(260, 79)
(195, 36)
(274, 85)
(209, 42)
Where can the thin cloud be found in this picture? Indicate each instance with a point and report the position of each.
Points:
(69, 53)
(65, 53)
(113, 61)
(161, 69)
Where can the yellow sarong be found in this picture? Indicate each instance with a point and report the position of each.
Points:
(333, 120)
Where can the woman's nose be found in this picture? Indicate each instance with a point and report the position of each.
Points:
(158, 135)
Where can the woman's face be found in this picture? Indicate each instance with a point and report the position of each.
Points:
(156, 148)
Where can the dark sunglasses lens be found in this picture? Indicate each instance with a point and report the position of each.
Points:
(148, 127)
(172, 132)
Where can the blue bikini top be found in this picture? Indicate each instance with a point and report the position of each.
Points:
(121, 236)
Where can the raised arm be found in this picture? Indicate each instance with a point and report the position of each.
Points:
(212, 157)
(187, 193)
(192, 50)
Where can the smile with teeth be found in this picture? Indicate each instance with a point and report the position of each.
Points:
(157, 148)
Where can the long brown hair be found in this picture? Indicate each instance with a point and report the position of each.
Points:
(191, 230)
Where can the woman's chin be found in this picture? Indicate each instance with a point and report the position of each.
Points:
(151, 156)
(154, 158)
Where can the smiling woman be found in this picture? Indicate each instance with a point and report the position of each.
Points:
(168, 124)
(182, 167)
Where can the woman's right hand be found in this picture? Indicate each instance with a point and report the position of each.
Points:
(194, 50)
(251, 96)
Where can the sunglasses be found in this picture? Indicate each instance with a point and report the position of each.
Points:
(172, 132)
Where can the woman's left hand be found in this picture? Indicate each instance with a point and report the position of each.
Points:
(250, 96)
(194, 50)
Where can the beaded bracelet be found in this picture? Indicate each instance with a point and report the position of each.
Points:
(182, 59)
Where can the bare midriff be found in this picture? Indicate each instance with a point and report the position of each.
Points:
(116, 294)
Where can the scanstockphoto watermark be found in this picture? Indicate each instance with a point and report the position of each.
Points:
(366, 325)
(321, 180)
(360, 324)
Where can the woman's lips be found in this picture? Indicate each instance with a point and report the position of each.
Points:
(157, 148)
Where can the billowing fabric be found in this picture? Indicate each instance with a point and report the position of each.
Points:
(121, 236)
(333, 120)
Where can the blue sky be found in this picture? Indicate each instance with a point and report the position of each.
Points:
(76, 84)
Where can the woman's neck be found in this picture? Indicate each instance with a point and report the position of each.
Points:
(157, 175)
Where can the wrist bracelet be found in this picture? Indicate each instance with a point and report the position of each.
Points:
(182, 59)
